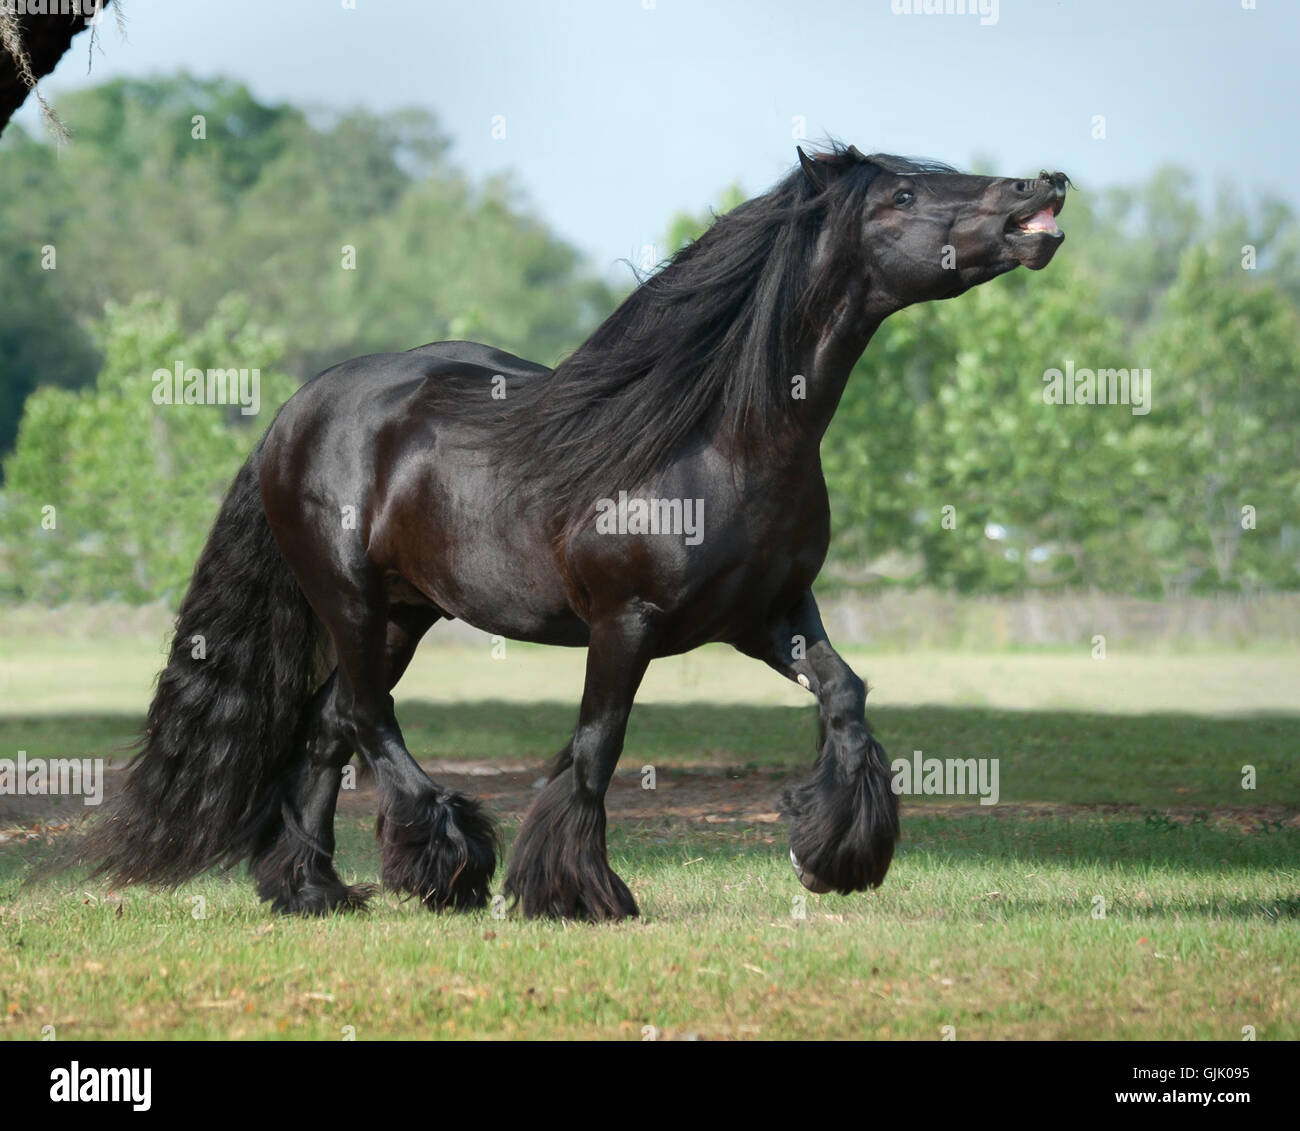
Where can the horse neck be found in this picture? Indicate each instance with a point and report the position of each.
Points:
(828, 354)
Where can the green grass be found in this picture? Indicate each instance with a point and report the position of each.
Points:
(984, 924)
(98, 675)
(1043, 756)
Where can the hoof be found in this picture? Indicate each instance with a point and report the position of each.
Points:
(316, 900)
(296, 878)
(559, 868)
(441, 849)
(811, 882)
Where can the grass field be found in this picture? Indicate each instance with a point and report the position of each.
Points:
(1126, 885)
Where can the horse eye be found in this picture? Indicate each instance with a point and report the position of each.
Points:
(904, 196)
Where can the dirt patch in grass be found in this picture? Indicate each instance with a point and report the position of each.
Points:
(703, 797)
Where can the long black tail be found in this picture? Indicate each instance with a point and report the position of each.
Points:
(219, 744)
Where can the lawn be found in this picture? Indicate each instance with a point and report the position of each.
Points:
(1125, 886)
(990, 926)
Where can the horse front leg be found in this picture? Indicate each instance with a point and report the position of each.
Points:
(559, 868)
(843, 818)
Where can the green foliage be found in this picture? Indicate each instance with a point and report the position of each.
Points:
(134, 485)
(1024, 477)
(945, 410)
(39, 342)
(1231, 400)
(265, 202)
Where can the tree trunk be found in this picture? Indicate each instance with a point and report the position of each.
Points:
(31, 48)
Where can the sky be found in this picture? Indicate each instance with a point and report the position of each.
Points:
(618, 113)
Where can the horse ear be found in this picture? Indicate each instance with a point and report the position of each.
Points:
(856, 153)
(810, 170)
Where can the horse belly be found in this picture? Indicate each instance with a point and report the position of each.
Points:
(492, 568)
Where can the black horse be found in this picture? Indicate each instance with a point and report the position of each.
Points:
(660, 489)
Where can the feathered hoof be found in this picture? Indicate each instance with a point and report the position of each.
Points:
(442, 849)
(558, 869)
(297, 879)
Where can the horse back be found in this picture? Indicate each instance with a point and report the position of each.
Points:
(484, 357)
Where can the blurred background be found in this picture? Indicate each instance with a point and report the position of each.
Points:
(501, 170)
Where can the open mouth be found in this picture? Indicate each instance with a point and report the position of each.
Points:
(1042, 221)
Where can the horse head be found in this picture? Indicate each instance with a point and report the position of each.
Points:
(924, 231)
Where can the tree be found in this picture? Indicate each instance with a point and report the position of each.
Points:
(351, 233)
(32, 44)
(110, 493)
(1229, 388)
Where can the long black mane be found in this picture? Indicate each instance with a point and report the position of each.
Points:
(705, 342)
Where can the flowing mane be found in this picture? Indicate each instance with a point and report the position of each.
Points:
(705, 342)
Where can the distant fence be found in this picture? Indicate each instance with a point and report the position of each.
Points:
(895, 620)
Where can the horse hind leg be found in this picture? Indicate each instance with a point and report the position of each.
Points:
(295, 873)
(436, 844)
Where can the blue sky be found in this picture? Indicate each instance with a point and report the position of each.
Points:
(620, 112)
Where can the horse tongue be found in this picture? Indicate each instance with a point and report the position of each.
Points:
(1044, 221)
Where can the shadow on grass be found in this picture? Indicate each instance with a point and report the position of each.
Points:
(1049, 756)
(1156, 763)
(1116, 856)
